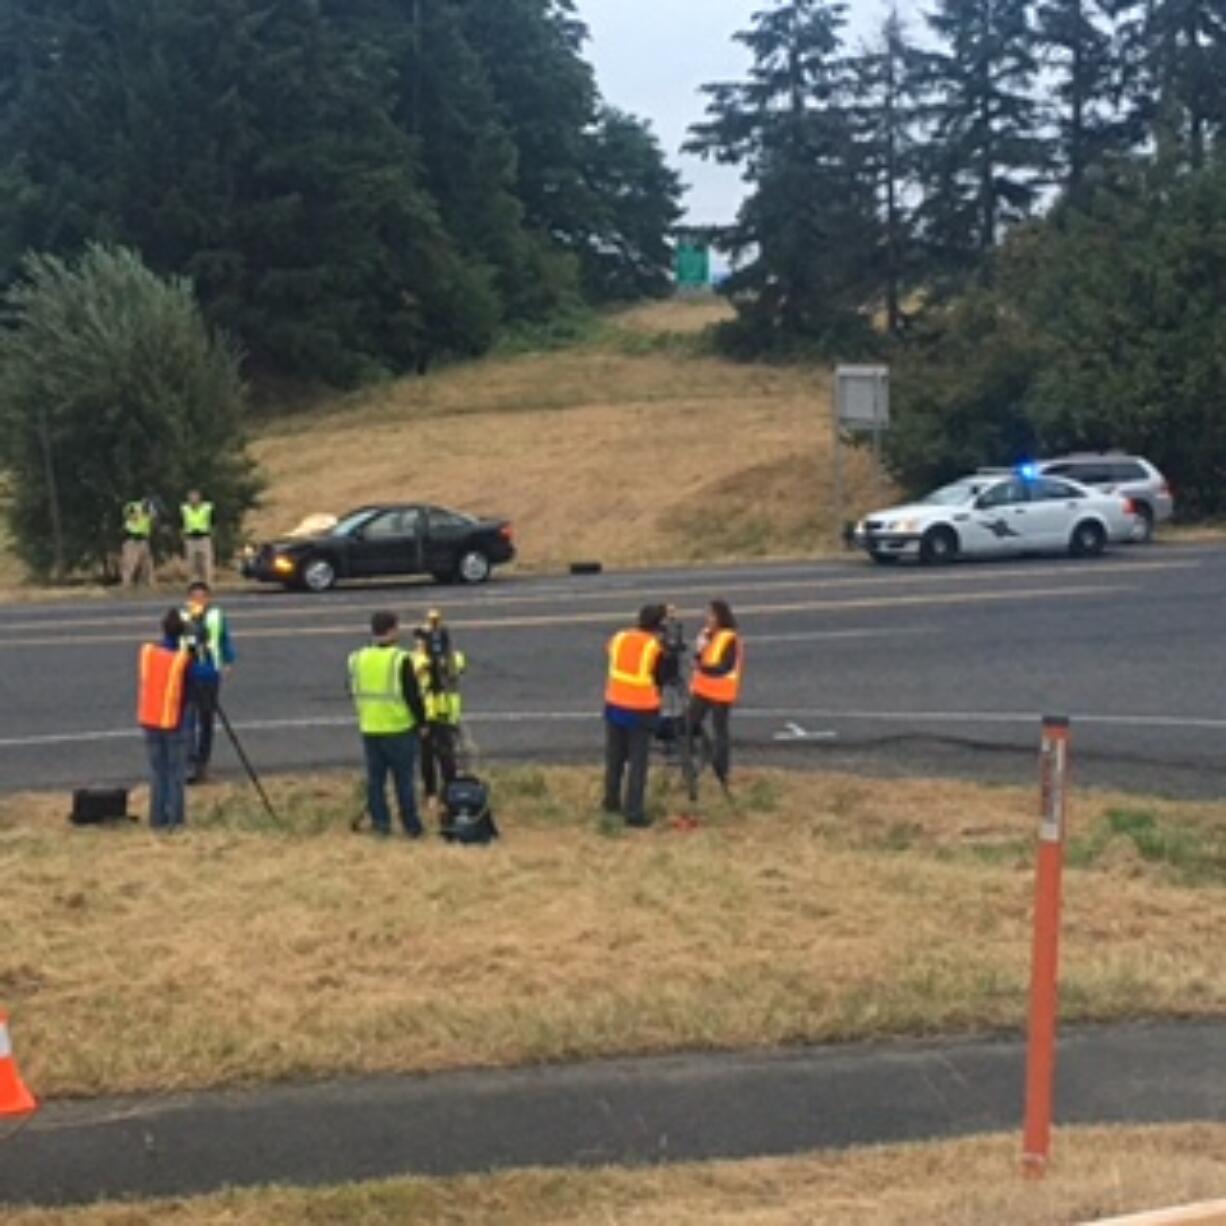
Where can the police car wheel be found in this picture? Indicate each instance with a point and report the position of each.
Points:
(939, 545)
(473, 567)
(1088, 540)
(318, 575)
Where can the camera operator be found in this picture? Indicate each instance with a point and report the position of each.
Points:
(438, 668)
(716, 685)
(638, 666)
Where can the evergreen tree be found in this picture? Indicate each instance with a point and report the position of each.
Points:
(809, 225)
(627, 253)
(986, 156)
(112, 388)
(887, 109)
(1079, 42)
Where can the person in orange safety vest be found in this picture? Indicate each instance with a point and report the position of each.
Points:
(165, 670)
(719, 662)
(637, 666)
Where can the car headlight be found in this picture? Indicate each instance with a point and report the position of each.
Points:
(904, 525)
(283, 565)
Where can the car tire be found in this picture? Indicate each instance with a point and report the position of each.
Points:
(1143, 533)
(473, 567)
(1088, 539)
(939, 545)
(884, 559)
(318, 575)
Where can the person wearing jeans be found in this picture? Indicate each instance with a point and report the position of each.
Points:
(166, 671)
(391, 716)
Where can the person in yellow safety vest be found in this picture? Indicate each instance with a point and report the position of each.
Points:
(207, 637)
(136, 557)
(198, 537)
(391, 717)
(637, 664)
(719, 663)
(439, 668)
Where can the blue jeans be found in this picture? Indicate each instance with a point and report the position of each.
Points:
(395, 754)
(168, 769)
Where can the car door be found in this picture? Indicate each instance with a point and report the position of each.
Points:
(1055, 506)
(998, 521)
(389, 544)
(446, 533)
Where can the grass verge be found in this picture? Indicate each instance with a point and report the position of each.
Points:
(1098, 1172)
(829, 907)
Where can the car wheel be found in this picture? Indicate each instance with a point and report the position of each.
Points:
(318, 575)
(473, 567)
(1088, 539)
(884, 559)
(939, 545)
(1143, 533)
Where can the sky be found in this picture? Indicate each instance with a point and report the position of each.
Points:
(651, 58)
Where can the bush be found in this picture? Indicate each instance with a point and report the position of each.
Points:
(112, 388)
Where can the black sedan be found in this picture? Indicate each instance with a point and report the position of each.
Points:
(405, 539)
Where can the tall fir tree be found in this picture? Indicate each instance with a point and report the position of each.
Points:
(810, 217)
(887, 111)
(987, 156)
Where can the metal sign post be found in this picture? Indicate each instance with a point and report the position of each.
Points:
(1044, 966)
(861, 403)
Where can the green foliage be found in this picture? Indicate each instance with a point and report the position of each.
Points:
(1105, 328)
(112, 388)
(354, 188)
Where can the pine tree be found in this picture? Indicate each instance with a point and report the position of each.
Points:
(809, 225)
(986, 156)
(1080, 44)
(887, 113)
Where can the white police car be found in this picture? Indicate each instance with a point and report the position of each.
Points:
(996, 513)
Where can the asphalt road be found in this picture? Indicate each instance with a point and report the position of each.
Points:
(630, 1112)
(901, 670)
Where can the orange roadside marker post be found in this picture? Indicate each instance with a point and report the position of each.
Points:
(1044, 966)
(15, 1099)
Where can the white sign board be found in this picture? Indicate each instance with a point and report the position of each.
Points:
(862, 397)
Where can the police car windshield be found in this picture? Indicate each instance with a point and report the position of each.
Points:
(956, 494)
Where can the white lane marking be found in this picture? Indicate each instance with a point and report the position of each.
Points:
(794, 732)
(351, 630)
(809, 636)
(240, 613)
(593, 715)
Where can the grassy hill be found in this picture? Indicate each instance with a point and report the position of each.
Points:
(634, 445)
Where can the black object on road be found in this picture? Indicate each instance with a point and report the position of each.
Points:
(242, 757)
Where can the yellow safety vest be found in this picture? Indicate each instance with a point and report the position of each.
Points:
(197, 521)
(137, 522)
(374, 683)
(447, 706)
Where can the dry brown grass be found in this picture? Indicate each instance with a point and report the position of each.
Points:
(833, 908)
(633, 447)
(1098, 1172)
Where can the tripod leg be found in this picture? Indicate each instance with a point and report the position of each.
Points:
(242, 756)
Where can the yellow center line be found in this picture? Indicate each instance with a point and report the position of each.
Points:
(353, 630)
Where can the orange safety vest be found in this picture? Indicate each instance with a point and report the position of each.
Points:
(632, 662)
(725, 689)
(163, 674)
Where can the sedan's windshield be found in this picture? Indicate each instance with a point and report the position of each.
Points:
(355, 519)
(956, 494)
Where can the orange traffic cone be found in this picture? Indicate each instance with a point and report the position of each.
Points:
(15, 1099)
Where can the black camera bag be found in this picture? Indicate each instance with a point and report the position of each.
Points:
(466, 811)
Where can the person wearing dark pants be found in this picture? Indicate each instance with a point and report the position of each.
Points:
(632, 707)
(208, 638)
(439, 667)
(391, 716)
(166, 672)
(716, 684)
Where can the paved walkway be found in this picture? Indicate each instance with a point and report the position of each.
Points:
(666, 1109)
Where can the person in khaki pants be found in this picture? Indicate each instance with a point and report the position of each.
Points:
(136, 558)
(198, 538)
